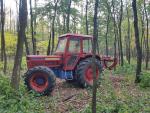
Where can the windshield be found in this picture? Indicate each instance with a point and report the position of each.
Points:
(61, 45)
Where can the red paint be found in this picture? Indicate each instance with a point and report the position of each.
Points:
(89, 75)
(35, 85)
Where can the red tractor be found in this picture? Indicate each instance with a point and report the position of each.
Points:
(71, 61)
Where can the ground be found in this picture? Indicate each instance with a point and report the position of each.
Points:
(116, 94)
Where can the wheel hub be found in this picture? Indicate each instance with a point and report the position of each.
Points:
(89, 75)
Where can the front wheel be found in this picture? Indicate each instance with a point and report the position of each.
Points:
(40, 79)
(85, 72)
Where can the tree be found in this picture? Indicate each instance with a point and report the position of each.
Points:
(32, 29)
(107, 29)
(10, 24)
(68, 15)
(95, 35)
(21, 36)
(53, 25)
(128, 39)
(147, 34)
(137, 42)
(120, 34)
(3, 49)
(86, 15)
(115, 29)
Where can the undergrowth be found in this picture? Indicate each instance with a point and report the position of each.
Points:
(17, 102)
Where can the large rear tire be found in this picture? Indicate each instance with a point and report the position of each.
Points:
(40, 79)
(84, 72)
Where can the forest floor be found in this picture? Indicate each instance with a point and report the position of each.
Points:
(116, 94)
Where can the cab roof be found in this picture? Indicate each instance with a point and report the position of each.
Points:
(75, 35)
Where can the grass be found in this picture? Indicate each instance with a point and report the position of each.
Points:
(112, 97)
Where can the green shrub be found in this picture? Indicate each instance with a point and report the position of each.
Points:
(126, 69)
(145, 80)
(17, 102)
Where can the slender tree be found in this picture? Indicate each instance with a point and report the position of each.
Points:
(128, 36)
(137, 42)
(3, 49)
(120, 30)
(107, 28)
(21, 36)
(68, 15)
(147, 34)
(32, 28)
(86, 15)
(53, 25)
(95, 35)
(10, 24)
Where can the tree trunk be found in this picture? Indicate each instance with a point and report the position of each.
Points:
(86, 15)
(137, 42)
(115, 29)
(68, 15)
(143, 35)
(147, 34)
(32, 29)
(120, 34)
(49, 45)
(53, 26)
(3, 49)
(10, 20)
(21, 36)
(128, 39)
(106, 34)
(95, 35)
(64, 23)
(27, 46)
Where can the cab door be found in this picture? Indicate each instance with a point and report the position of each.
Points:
(72, 54)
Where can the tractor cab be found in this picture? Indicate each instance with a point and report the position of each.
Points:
(74, 44)
(72, 48)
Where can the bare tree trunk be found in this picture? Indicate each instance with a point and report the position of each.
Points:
(120, 34)
(49, 45)
(32, 29)
(128, 39)
(143, 34)
(86, 15)
(137, 42)
(53, 26)
(27, 46)
(10, 19)
(21, 36)
(115, 29)
(68, 15)
(147, 34)
(64, 23)
(106, 34)
(3, 49)
(95, 35)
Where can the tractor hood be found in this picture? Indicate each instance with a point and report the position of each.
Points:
(44, 60)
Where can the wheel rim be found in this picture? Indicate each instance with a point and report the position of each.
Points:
(89, 75)
(39, 82)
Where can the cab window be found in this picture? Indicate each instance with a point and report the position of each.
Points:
(74, 46)
(87, 46)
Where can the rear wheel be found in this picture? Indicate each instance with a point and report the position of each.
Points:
(85, 72)
(40, 79)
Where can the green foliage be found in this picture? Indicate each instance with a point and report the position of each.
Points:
(145, 80)
(126, 69)
(10, 40)
(17, 102)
